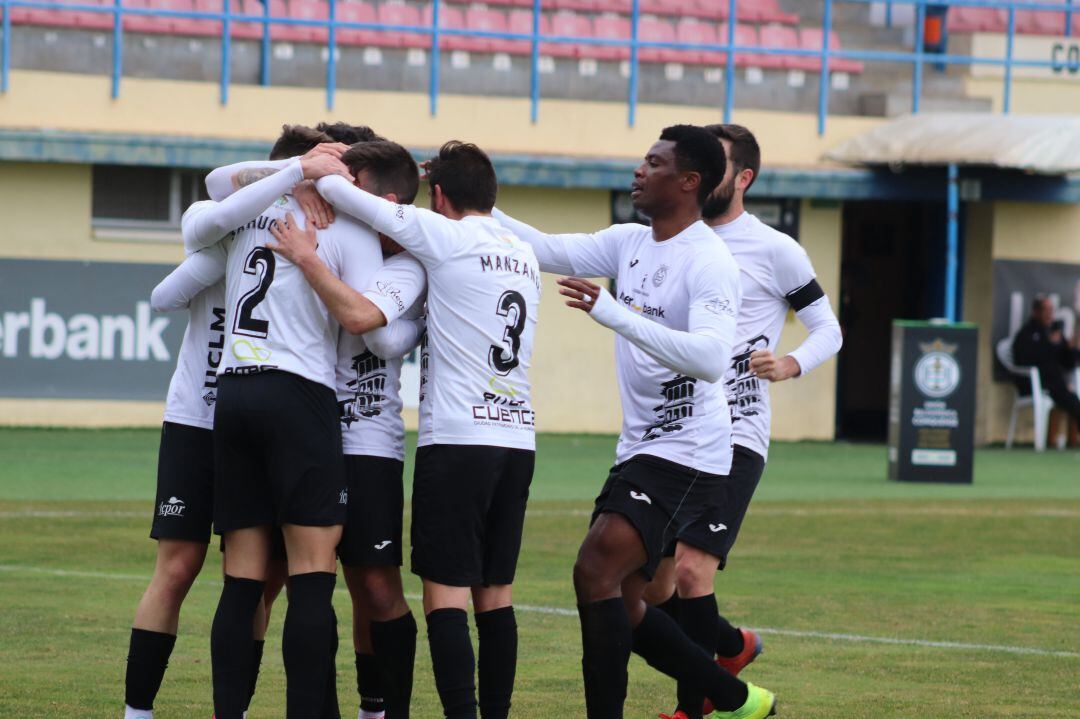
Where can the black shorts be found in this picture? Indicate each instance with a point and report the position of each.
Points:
(277, 453)
(184, 505)
(655, 495)
(715, 526)
(468, 513)
(372, 536)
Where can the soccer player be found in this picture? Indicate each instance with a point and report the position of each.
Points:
(476, 449)
(184, 501)
(368, 386)
(277, 445)
(776, 275)
(677, 299)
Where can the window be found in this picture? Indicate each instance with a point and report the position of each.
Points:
(144, 198)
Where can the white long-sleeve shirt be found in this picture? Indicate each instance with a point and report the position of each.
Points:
(776, 275)
(674, 311)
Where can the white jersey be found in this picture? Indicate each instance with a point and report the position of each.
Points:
(688, 279)
(193, 388)
(276, 321)
(482, 306)
(369, 385)
(776, 275)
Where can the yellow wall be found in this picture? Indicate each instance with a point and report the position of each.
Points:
(805, 408)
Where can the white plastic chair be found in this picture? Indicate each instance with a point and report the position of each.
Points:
(1039, 400)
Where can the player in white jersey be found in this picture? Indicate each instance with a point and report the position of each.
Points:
(677, 299)
(373, 432)
(183, 509)
(477, 442)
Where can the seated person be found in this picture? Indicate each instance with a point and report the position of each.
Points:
(1040, 342)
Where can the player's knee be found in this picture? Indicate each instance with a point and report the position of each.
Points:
(176, 573)
(592, 579)
(694, 576)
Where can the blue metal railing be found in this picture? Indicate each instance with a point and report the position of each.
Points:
(917, 57)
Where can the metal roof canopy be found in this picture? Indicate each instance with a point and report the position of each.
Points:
(1040, 144)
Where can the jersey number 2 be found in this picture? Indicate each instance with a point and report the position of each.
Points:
(245, 323)
(505, 358)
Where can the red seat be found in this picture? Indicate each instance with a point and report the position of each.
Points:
(566, 24)
(246, 30)
(786, 37)
(609, 27)
(717, 9)
(1041, 22)
(311, 10)
(620, 6)
(667, 7)
(748, 35)
(213, 27)
(185, 25)
(976, 19)
(521, 23)
(94, 20)
(488, 20)
(287, 33)
(145, 23)
(691, 31)
(763, 11)
(654, 29)
(395, 14)
(577, 5)
(811, 39)
(41, 16)
(357, 11)
(452, 17)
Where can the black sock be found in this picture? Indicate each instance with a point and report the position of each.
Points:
(330, 702)
(232, 645)
(256, 664)
(498, 638)
(729, 640)
(307, 643)
(606, 638)
(369, 683)
(698, 622)
(661, 643)
(672, 606)
(453, 661)
(148, 656)
(395, 646)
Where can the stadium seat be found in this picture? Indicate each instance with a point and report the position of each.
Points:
(145, 23)
(771, 36)
(311, 10)
(566, 24)
(976, 19)
(715, 9)
(452, 17)
(654, 29)
(609, 27)
(811, 38)
(619, 6)
(356, 11)
(94, 20)
(402, 14)
(521, 22)
(676, 8)
(42, 16)
(182, 25)
(1041, 22)
(693, 31)
(488, 20)
(763, 11)
(243, 30)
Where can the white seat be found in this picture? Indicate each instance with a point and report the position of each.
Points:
(1039, 401)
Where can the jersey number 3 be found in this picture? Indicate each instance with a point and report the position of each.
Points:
(505, 358)
(245, 323)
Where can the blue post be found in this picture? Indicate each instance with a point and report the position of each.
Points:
(226, 54)
(534, 68)
(729, 70)
(1068, 18)
(635, 17)
(823, 82)
(264, 50)
(5, 53)
(117, 48)
(1009, 38)
(952, 238)
(433, 82)
(916, 72)
(888, 13)
(331, 64)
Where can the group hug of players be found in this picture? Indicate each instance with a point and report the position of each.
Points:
(309, 276)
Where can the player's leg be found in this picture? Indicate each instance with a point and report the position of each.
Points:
(496, 624)
(452, 657)
(276, 574)
(695, 571)
(662, 591)
(182, 525)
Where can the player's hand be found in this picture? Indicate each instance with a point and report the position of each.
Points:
(582, 293)
(337, 149)
(424, 169)
(1056, 336)
(323, 165)
(768, 366)
(293, 244)
(318, 211)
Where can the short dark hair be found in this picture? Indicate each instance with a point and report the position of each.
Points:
(1038, 302)
(745, 152)
(392, 168)
(466, 176)
(296, 140)
(348, 134)
(697, 150)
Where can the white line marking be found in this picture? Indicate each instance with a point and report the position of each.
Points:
(563, 612)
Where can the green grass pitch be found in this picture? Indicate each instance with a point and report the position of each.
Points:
(980, 583)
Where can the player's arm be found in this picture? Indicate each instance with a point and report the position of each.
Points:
(353, 311)
(397, 338)
(703, 351)
(224, 181)
(398, 289)
(795, 278)
(191, 277)
(583, 254)
(428, 236)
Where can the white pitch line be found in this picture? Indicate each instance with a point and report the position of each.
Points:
(563, 612)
